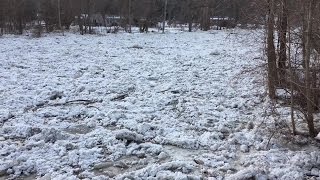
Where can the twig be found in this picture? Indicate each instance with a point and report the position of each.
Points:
(270, 138)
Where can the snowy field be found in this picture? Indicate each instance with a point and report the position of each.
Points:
(141, 106)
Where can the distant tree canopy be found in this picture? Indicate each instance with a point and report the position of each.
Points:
(19, 15)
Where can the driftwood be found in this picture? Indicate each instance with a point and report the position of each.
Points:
(46, 104)
(120, 97)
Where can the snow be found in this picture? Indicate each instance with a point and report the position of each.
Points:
(140, 106)
(318, 137)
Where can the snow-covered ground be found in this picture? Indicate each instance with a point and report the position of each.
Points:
(141, 106)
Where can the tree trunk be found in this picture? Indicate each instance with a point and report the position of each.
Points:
(283, 42)
(129, 16)
(164, 16)
(306, 57)
(89, 21)
(190, 25)
(80, 23)
(271, 53)
(20, 25)
(206, 18)
(291, 83)
(204, 15)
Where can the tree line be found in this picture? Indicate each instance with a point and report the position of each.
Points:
(16, 16)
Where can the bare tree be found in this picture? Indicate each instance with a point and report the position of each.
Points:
(164, 16)
(272, 73)
(306, 57)
(283, 40)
